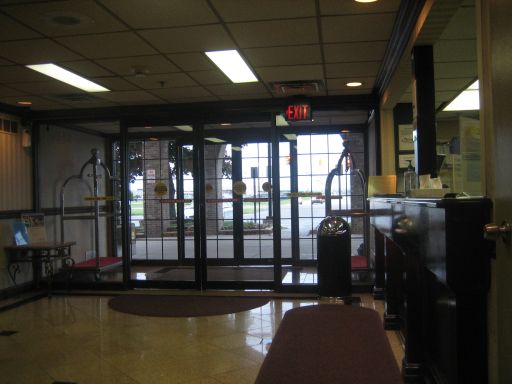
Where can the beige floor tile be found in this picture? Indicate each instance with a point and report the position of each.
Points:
(80, 339)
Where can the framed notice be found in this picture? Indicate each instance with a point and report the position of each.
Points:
(403, 160)
(405, 137)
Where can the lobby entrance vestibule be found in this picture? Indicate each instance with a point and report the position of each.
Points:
(236, 205)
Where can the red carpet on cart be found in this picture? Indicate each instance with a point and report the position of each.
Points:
(104, 262)
(359, 262)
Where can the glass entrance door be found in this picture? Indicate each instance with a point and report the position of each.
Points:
(161, 210)
(239, 219)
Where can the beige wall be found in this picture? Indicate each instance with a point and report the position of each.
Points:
(387, 142)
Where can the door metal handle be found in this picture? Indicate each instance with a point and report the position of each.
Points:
(494, 231)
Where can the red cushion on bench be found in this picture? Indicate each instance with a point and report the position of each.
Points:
(330, 343)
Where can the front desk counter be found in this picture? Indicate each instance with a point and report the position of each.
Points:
(432, 267)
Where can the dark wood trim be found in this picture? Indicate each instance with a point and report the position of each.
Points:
(405, 21)
(424, 118)
(212, 112)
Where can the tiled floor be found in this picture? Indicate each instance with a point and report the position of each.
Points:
(78, 339)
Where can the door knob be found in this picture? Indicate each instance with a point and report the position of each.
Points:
(494, 231)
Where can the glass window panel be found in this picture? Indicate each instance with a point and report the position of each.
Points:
(303, 144)
(304, 164)
(319, 143)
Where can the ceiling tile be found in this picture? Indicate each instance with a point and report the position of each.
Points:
(160, 14)
(19, 74)
(357, 27)
(248, 96)
(244, 10)
(12, 30)
(362, 68)
(293, 55)
(350, 52)
(126, 66)
(292, 72)
(96, 103)
(128, 96)
(86, 68)
(350, 92)
(37, 102)
(5, 62)
(63, 18)
(117, 44)
(115, 83)
(455, 69)
(238, 89)
(455, 50)
(168, 80)
(210, 77)
(9, 91)
(340, 84)
(275, 33)
(337, 7)
(462, 24)
(192, 61)
(45, 87)
(453, 84)
(445, 96)
(35, 51)
(181, 93)
(189, 39)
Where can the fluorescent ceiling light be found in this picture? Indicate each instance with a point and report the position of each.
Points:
(231, 63)
(467, 100)
(290, 136)
(215, 140)
(186, 128)
(65, 76)
(281, 121)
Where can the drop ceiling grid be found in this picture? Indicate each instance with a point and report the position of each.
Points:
(280, 39)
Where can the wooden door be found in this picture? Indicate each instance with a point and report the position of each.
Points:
(496, 108)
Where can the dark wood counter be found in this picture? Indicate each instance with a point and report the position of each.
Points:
(436, 267)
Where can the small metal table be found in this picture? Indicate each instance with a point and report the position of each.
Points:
(38, 254)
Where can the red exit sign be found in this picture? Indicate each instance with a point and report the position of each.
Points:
(298, 112)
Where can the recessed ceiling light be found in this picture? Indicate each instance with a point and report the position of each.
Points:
(365, 1)
(234, 67)
(68, 77)
(225, 124)
(235, 148)
(148, 127)
(354, 84)
(290, 136)
(281, 121)
(215, 140)
(24, 102)
(153, 139)
(467, 100)
(186, 128)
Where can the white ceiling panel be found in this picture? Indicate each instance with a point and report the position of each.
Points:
(238, 89)
(196, 61)
(143, 65)
(115, 83)
(12, 30)
(61, 18)
(462, 24)
(293, 55)
(353, 52)
(291, 73)
(19, 74)
(362, 68)
(453, 70)
(453, 84)
(128, 96)
(245, 10)
(275, 33)
(46, 88)
(181, 93)
(189, 39)
(86, 68)
(9, 91)
(162, 13)
(36, 51)
(118, 44)
(455, 50)
(168, 80)
(347, 7)
(209, 77)
(375, 27)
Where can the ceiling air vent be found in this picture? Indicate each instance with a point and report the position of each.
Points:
(297, 87)
(77, 97)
